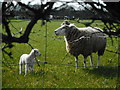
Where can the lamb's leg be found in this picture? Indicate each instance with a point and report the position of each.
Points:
(20, 67)
(26, 69)
(32, 68)
(85, 61)
(76, 60)
(91, 60)
(98, 61)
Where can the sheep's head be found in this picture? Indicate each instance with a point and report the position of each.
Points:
(36, 52)
(65, 23)
(61, 31)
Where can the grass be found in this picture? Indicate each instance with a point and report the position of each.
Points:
(58, 76)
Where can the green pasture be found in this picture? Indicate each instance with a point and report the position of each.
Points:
(58, 75)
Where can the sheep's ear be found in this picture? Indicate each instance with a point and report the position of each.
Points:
(62, 24)
(34, 50)
(66, 23)
(72, 26)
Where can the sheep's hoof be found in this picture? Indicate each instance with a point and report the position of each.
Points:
(92, 65)
(85, 66)
(77, 66)
(76, 70)
(20, 73)
(98, 66)
(25, 75)
(32, 73)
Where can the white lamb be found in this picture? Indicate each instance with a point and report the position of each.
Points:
(83, 41)
(28, 61)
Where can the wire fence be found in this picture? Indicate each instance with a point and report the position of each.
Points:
(60, 64)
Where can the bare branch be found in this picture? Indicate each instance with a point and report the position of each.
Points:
(27, 7)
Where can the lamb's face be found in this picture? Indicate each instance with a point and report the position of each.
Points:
(61, 30)
(36, 52)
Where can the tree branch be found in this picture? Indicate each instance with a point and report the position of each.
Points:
(27, 7)
(39, 14)
(4, 21)
(6, 39)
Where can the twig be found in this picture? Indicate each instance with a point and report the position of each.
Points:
(112, 51)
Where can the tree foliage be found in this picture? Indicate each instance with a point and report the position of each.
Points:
(8, 11)
(109, 14)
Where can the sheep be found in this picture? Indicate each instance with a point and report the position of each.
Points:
(83, 41)
(28, 61)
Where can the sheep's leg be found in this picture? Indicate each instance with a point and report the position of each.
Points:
(32, 68)
(76, 60)
(20, 68)
(98, 61)
(85, 61)
(91, 60)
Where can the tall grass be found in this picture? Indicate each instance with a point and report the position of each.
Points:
(58, 76)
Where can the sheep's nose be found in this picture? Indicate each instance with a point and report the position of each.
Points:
(55, 32)
(40, 54)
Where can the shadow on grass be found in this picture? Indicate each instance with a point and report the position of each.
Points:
(107, 72)
(40, 73)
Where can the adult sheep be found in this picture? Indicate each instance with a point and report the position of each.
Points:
(83, 41)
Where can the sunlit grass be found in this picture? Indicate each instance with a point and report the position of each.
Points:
(58, 76)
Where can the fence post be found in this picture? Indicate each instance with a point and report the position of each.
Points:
(0, 69)
(0, 50)
(118, 78)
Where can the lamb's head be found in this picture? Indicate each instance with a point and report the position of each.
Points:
(36, 52)
(61, 31)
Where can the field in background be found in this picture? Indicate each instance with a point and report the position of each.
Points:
(57, 75)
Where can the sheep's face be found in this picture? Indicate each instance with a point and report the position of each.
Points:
(61, 30)
(36, 52)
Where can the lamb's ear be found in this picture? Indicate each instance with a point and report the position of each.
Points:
(34, 50)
